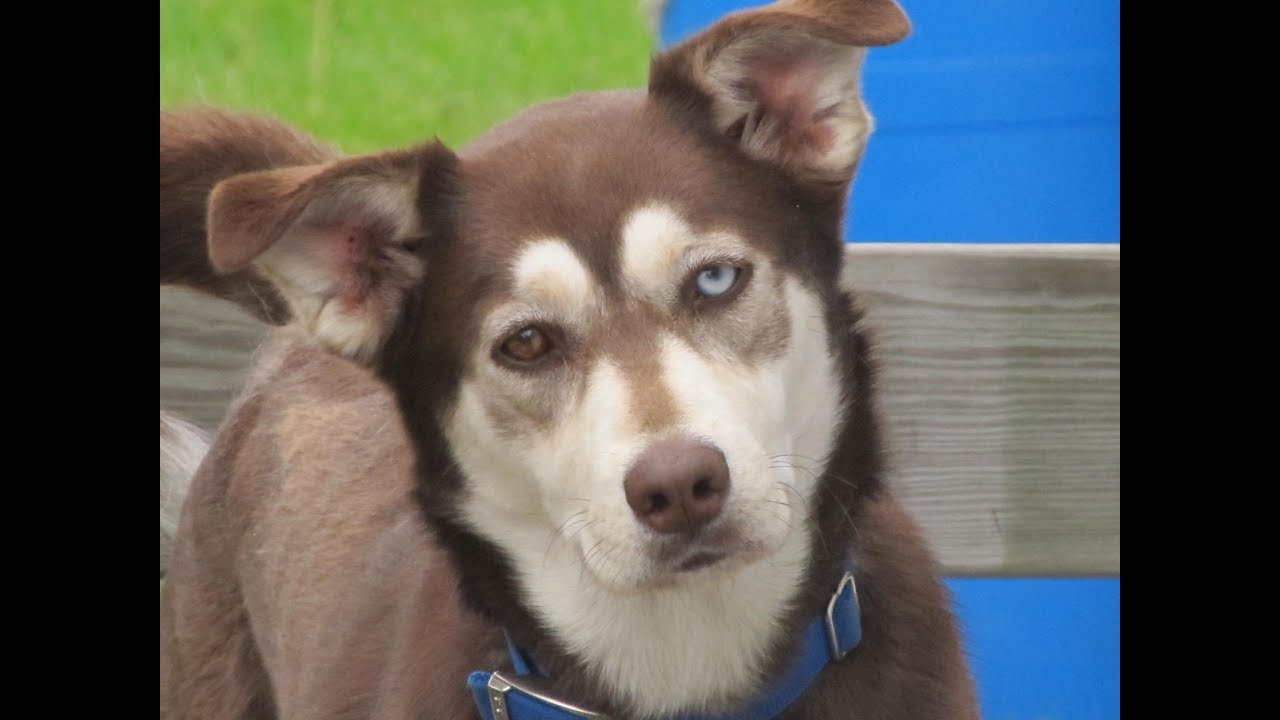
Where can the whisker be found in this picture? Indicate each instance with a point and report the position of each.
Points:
(558, 534)
(809, 514)
(579, 529)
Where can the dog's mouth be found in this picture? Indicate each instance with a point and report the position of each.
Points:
(650, 560)
(700, 560)
(714, 549)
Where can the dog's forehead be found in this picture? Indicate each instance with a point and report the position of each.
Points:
(612, 179)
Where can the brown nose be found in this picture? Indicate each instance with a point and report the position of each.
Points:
(678, 485)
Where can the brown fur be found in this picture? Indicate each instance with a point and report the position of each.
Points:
(197, 151)
(305, 583)
(333, 600)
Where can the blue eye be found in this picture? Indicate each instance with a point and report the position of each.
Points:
(717, 280)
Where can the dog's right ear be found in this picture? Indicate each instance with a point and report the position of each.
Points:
(339, 240)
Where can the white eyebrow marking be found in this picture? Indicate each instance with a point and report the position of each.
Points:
(654, 239)
(550, 273)
(659, 248)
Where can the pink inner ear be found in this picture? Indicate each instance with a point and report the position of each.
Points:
(787, 89)
(350, 257)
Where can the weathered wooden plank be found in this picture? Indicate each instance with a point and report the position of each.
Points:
(1001, 386)
(206, 346)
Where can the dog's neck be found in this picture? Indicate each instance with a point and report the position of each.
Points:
(737, 630)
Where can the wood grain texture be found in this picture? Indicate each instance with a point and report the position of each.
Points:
(1000, 383)
(206, 346)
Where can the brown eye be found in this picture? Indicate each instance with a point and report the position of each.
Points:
(526, 345)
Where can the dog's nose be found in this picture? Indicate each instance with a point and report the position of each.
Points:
(677, 485)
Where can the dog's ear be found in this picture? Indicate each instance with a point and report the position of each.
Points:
(339, 240)
(784, 81)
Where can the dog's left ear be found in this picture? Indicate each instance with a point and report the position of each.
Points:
(339, 240)
(784, 81)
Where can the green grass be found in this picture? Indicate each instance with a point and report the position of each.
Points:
(367, 76)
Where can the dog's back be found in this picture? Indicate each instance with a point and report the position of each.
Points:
(301, 518)
(308, 478)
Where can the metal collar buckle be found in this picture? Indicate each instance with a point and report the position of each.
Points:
(833, 640)
(500, 685)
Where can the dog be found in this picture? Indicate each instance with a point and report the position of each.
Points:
(577, 419)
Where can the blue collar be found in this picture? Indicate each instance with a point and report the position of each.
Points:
(519, 696)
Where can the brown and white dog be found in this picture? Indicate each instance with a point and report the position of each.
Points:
(591, 381)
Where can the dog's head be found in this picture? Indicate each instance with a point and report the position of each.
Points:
(615, 330)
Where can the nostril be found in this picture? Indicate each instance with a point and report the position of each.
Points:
(658, 502)
(702, 488)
